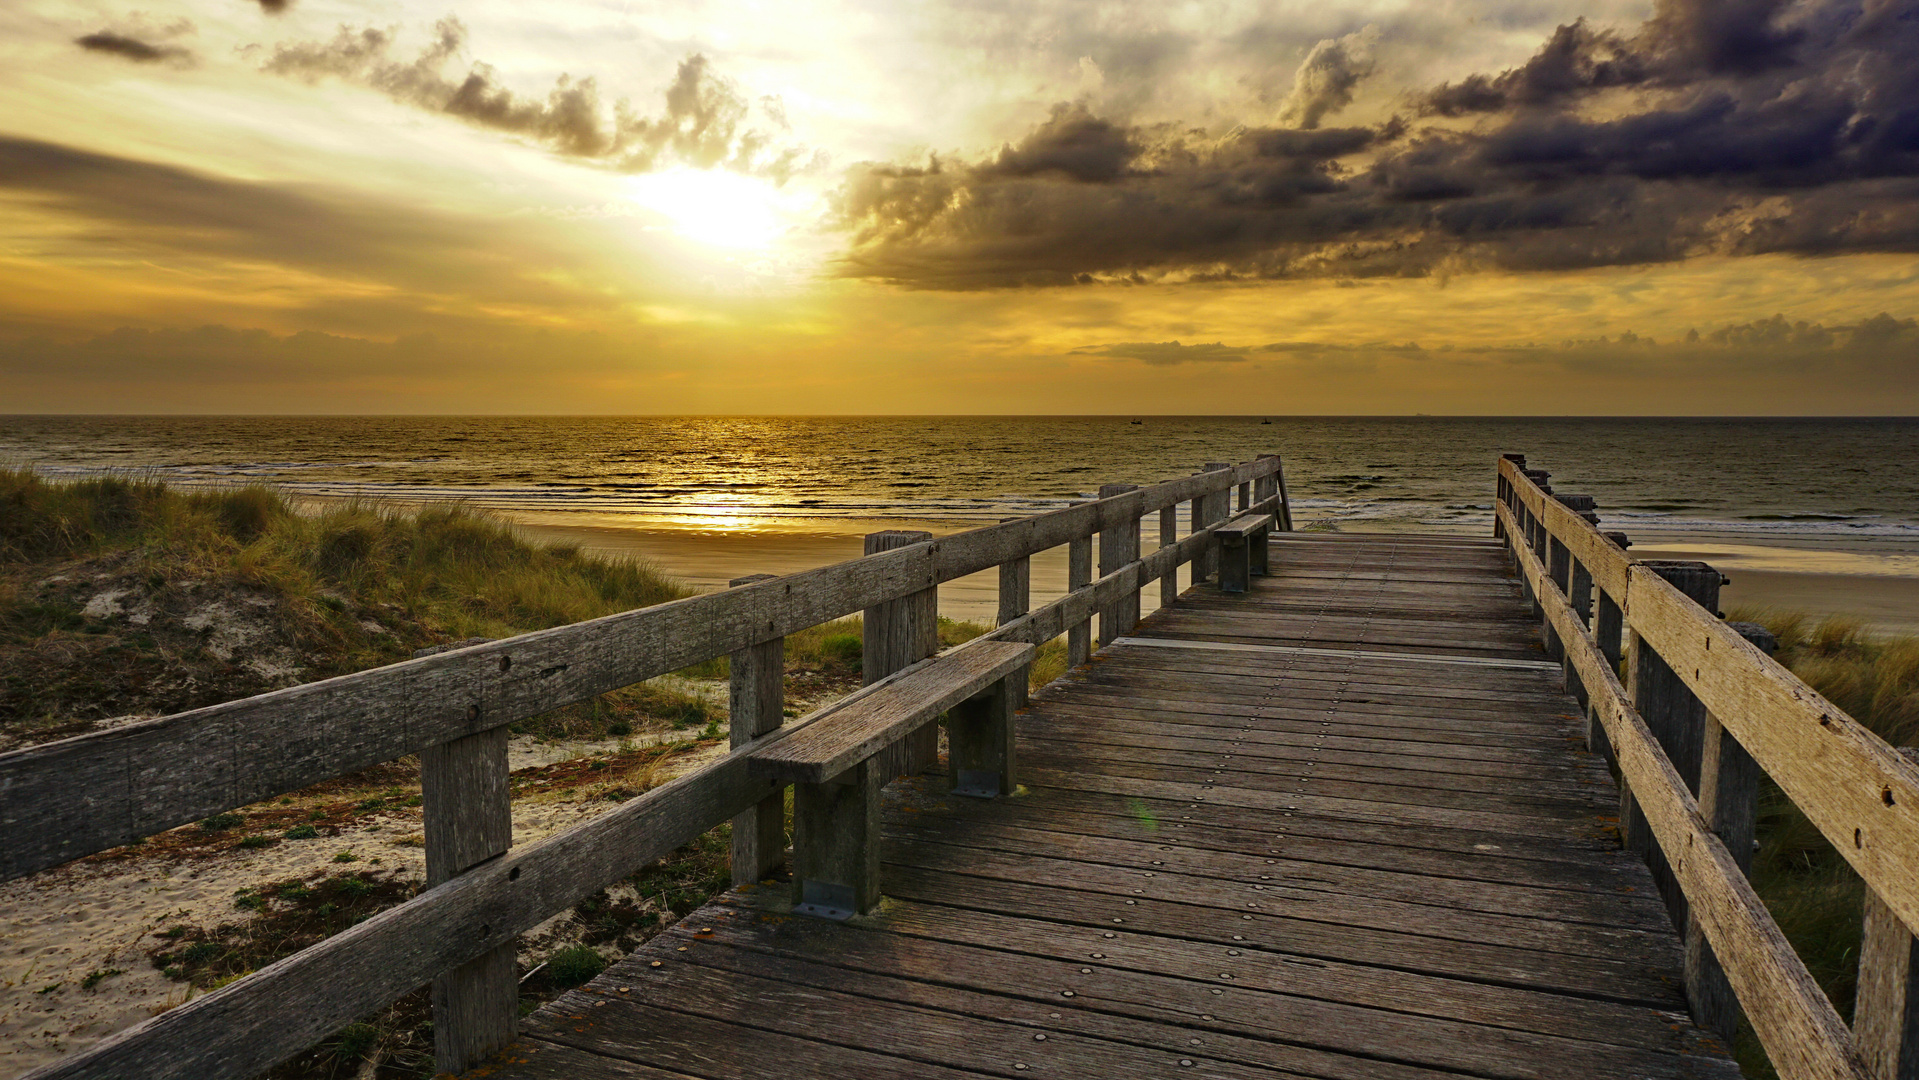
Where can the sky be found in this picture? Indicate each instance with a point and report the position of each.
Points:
(1046, 206)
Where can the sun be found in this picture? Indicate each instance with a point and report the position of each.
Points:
(713, 207)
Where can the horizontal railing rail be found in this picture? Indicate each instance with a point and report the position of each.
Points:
(1731, 700)
(64, 800)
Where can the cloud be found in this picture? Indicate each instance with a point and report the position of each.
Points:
(181, 218)
(1728, 127)
(131, 48)
(705, 122)
(1166, 353)
(275, 7)
(1327, 78)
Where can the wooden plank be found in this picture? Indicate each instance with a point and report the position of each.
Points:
(1612, 978)
(1130, 1008)
(843, 734)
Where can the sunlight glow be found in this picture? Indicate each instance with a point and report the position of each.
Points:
(713, 207)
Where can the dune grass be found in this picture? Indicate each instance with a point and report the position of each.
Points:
(1810, 889)
(450, 567)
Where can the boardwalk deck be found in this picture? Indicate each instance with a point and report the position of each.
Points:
(1337, 826)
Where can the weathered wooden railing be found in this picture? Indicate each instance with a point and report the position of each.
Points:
(1689, 709)
(68, 799)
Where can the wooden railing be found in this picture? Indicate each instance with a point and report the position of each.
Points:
(68, 799)
(1689, 710)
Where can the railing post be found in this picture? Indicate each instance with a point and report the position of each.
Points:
(1245, 495)
(1729, 801)
(1283, 517)
(1168, 536)
(1503, 492)
(1015, 598)
(756, 700)
(1079, 574)
(899, 634)
(1559, 567)
(1206, 510)
(1015, 586)
(1118, 546)
(467, 813)
(1885, 1018)
(1675, 718)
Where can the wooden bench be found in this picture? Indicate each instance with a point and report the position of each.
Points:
(838, 761)
(1242, 550)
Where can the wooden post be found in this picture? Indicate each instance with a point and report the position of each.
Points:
(1559, 567)
(1168, 536)
(1015, 586)
(467, 813)
(756, 702)
(836, 842)
(1258, 553)
(1245, 495)
(1729, 801)
(1208, 509)
(898, 634)
(1195, 521)
(1283, 520)
(1079, 574)
(1235, 564)
(1885, 1018)
(1117, 547)
(1675, 718)
(979, 740)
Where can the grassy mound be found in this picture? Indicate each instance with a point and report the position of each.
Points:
(125, 596)
(1810, 889)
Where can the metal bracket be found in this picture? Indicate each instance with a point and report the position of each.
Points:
(825, 900)
(977, 784)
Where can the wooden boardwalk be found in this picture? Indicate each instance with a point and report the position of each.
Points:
(1339, 826)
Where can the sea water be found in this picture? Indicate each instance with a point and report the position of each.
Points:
(1841, 484)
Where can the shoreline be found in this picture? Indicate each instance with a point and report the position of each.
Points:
(1876, 586)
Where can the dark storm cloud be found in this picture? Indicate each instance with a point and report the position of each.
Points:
(134, 49)
(275, 7)
(1718, 126)
(704, 123)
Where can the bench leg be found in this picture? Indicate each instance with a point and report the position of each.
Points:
(836, 843)
(1257, 553)
(979, 739)
(1234, 567)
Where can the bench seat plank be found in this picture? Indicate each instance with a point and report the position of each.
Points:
(1245, 525)
(848, 732)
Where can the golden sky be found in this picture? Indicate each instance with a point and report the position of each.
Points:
(1050, 206)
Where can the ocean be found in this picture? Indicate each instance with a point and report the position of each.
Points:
(1804, 496)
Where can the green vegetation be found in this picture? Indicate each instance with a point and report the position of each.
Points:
(122, 595)
(1809, 888)
(574, 965)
